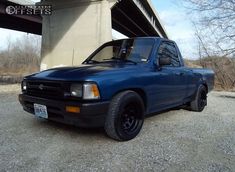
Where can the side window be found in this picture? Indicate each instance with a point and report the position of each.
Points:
(168, 49)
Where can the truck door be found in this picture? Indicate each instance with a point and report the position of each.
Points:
(171, 80)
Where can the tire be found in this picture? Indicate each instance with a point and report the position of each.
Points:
(125, 117)
(200, 101)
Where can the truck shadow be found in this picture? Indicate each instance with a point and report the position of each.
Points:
(78, 132)
(166, 111)
(227, 96)
(70, 129)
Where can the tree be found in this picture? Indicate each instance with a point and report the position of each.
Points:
(214, 21)
(21, 56)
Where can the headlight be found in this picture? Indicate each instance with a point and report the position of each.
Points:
(24, 86)
(87, 91)
(76, 90)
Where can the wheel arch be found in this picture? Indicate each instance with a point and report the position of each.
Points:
(139, 91)
(199, 84)
(205, 84)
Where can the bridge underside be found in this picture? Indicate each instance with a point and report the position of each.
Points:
(130, 21)
(126, 19)
(29, 24)
(20, 24)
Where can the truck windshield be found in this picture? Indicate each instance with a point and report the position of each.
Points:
(130, 50)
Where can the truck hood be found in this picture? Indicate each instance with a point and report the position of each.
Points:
(82, 72)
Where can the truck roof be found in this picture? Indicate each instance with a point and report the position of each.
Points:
(152, 37)
(147, 37)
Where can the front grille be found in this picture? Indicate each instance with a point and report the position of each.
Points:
(52, 90)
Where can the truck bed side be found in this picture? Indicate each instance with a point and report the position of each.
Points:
(207, 77)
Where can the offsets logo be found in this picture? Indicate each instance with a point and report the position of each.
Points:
(29, 10)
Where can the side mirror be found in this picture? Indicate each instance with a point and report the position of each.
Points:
(163, 61)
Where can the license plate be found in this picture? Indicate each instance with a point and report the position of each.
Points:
(40, 111)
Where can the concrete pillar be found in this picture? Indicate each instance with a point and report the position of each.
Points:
(74, 30)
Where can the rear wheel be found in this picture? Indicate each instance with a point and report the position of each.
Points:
(200, 101)
(125, 117)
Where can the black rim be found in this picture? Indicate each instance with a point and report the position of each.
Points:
(202, 101)
(130, 119)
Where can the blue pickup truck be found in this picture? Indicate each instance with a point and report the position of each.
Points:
(117, 86)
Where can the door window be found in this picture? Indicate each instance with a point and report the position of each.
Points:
(168, 49)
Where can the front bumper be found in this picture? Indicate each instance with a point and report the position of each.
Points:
(91, 114)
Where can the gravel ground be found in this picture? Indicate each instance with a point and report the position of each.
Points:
(177, 140)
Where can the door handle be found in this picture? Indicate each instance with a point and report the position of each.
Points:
(179, 73)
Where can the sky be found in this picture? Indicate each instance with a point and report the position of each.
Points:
(178, 25)
(172, 15)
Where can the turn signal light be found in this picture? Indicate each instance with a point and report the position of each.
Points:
(73, 109)
(95, 90)
(91, 92)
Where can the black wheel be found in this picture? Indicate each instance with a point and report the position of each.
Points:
(125, 117)
(200, 101)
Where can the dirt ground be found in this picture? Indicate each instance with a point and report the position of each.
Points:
(177, 140)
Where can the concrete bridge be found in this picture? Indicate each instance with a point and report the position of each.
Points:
(77, 27)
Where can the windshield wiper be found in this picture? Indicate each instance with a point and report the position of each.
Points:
(120, 59)
(130, 61)
(92, 61)
(113, 58)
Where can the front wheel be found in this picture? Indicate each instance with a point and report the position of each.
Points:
(200, 101)
(125, 117)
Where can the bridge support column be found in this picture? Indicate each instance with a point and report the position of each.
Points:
(74, 30)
